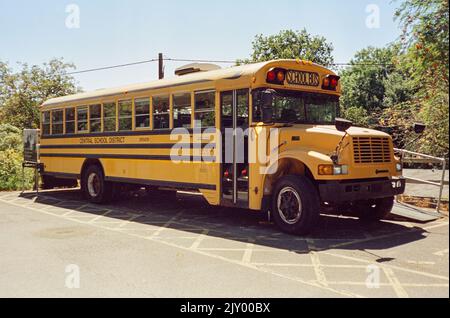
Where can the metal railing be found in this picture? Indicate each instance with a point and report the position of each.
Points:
(416, 157)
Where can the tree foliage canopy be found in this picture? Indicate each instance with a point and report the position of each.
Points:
(23, 92)
(412, 86)
(289, 44)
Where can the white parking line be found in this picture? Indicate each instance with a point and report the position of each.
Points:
(167, 224)
(131, 219)
(395, 283)
(100, 216)
(246, 258)
(199, 239)
(320, 274)
(386, 265)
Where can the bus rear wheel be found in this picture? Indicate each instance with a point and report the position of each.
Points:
(94, 187)
(295, 205)
(373, 210)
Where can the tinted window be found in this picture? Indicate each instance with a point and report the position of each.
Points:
(142, 112)
(299, 107)
(45, 123)
(109, 117)
(95, 118)
(182, 110)
(205, 112)
(70, 120)
(161, 116)
(125, 115)
(82, 119)
(242, 108)
(57, 122)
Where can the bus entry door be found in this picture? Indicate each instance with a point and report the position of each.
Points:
(235, 167)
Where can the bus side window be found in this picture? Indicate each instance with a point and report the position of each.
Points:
(82, 119)
(161, 115)
(109, 117)
(205, 109)
(46, 123)
(57, 122)
(182, 110)
(125, 115)
(242, 108)
(142, 112)
(70, 120)
(257, 113)
(95, 117)
(226, 100)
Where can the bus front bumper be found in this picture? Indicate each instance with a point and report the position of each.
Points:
(354, 190)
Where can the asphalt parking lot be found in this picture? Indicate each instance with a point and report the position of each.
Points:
(147, 247)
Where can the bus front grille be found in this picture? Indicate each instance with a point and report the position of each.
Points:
(368, 150)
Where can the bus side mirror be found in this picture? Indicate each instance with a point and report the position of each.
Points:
(343, 124)
(267, 105)
(419, 128)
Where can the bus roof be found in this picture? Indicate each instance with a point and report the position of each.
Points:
(200, 77)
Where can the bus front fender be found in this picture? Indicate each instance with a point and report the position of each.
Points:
(294, 162)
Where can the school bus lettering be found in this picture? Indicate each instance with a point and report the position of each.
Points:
(302, 78)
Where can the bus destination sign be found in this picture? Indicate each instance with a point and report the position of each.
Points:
(302, 78)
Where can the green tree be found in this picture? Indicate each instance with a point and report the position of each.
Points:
(425, 34)
(23, 92)
(425, 42)
(10, 138)
(290, 44)
(363, 83)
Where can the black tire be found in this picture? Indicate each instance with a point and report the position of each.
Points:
(285, 197)
(94, 187)
(373, 210)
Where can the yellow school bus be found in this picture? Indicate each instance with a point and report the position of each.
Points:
(202, 130)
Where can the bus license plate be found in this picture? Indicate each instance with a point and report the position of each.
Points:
(302, 78)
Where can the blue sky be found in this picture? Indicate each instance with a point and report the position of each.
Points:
(115, 32)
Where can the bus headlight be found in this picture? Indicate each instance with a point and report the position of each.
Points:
(333, 170)
(340, 170)
(399, 167)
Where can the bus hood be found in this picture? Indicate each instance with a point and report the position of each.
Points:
(323, 139)
(352, 132)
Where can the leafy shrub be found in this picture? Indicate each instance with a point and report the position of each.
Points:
(11, 158)
(11, 171)
(10, 138)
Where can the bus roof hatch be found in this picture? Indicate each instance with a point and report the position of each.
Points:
(195, 68)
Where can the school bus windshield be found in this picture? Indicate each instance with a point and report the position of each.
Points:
(301, 108)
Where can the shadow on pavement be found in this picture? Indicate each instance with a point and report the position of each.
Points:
(191, 213)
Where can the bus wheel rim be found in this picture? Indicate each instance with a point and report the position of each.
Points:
(289, 205)
(93, 185)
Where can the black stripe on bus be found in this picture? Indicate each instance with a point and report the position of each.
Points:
(136, 157)
(62, 175)
(164, 132)
(168, 184)
(126, 146)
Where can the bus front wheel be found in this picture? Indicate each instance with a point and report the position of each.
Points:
(295, 205)
(94, 187)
